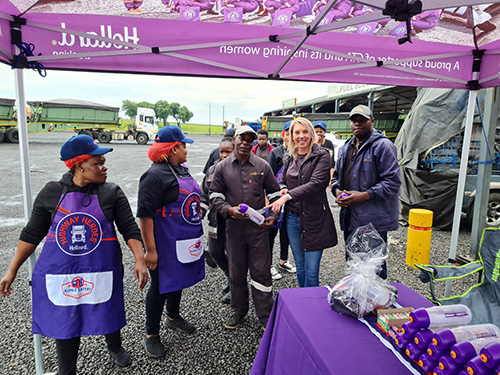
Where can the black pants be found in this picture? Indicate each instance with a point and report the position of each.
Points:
(383, 271)
(155, 303)
(67, 351)
(246, 251)
(284, 243)
(217, 248)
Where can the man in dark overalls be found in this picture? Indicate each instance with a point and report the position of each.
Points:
(246, 178)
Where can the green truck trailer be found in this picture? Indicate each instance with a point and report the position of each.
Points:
(8, 124)
(83, 117)
(335, 122)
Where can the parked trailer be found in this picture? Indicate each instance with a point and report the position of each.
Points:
(8, 125)
(335, 122)
(96, 120)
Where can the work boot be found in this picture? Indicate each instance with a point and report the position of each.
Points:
(234, 321)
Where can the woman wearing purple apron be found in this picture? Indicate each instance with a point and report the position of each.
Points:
(77, 285)
(169, 210)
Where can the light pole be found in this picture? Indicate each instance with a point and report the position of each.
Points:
(209, 119)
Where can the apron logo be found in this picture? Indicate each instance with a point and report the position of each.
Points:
(196, 249)
(191, 209)
(78, 234)
(77, 288)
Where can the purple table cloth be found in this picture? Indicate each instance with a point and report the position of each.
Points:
(305, 336)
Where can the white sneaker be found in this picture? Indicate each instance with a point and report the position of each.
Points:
(288, 267)
(275, 275)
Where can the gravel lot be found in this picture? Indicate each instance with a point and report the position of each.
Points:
(211, 349)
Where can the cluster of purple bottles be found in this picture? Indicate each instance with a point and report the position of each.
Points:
(441, 342)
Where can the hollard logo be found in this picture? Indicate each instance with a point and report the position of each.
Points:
(189, 14)
(77, 288)
(324, 21)
(195, 250)
(191, 209)
(233, 16)
(282, 19)
(128, 35)
(78, 234)
(365, 29)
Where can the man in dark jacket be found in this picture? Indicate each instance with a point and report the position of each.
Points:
(367, 171)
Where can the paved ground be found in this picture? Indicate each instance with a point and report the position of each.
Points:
(211, 349)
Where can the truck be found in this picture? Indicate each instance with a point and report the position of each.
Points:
(338, 123)
(8, 124)
(96, 120)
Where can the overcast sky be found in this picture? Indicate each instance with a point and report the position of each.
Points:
(247, 99)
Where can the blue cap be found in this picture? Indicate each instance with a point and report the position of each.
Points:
(228, 130)
(287, 125)
(82, 145)
(171, 133)
(321, 124)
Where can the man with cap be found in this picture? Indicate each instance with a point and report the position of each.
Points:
(246, 178)
(367, 171)
(168, 207)
(275, 160)
(77, 216)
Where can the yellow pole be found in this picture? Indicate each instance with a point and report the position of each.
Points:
(418, 246)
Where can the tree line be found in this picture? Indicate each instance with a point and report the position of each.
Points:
(162, 108)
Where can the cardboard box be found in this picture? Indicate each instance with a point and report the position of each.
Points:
(387, 318)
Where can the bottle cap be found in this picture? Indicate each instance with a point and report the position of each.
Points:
(461, 352)
(423, 337)
(243, 208)
(444, 339)
(419, 318)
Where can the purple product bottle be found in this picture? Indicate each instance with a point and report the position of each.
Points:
(490, 355)
(434, 352)
(401, 342)
(440, 316)
(408, 331)
(461, 352)
(426, 362)
(413, 351)
(256, 217)
(445, 338)
(438, 371)
(476, 367)
(423, 338)
(448, 365)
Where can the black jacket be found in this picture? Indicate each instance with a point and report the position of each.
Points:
(316, 221)
(214, 219)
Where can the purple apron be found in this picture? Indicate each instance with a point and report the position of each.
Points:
(78, 279)
(179, 238)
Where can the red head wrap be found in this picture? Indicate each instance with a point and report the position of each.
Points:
(158, 150)
(71, 162)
